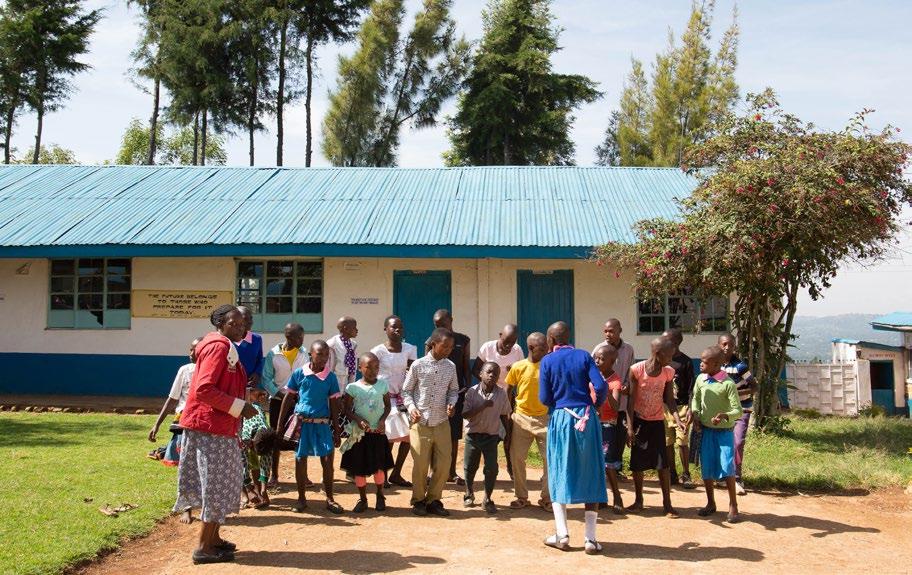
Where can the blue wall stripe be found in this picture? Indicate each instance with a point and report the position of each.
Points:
(88, 374)
(309, 250)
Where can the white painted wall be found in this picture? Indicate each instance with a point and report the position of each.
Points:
(861, 356)
(483, 292)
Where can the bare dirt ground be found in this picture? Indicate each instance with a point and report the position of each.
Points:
(779, 533)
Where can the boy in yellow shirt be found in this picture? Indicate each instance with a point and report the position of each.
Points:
(530, 421)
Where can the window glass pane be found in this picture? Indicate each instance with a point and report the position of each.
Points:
(91, 267)
(309, 304)
(119, 267)
(310, 287)
(91, 284)
(60, 301)
(280, 269)
(119, 301)
(249, 284)
(118, 283)
(63, 267)
(250, 269)
(278, 305)
(252, 303)
(92, 319)
(279, 287)
(90, 301)
(62, 284)
(310, 269)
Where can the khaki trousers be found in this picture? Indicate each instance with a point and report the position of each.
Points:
(430, 444)
(527, 429)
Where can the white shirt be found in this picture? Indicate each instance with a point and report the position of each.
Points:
(181, 385)
(337, 359)
(488, 352)
(393, 366)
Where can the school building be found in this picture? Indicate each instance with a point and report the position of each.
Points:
(108, 272)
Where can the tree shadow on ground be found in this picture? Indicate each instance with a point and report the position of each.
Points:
(689, 552)
(347, 561)
(822, 527)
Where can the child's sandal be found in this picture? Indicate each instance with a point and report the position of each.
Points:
(592, 547)
(334, 507)
(519, 503)
(562, 543)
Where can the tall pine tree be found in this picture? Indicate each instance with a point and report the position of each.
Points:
(55, 34)
(690, 90)
(147, 65)
(514, 109)
(392, 81)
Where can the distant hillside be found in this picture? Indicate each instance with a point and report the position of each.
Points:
(815, 334)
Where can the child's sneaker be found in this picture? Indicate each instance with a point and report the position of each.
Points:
(592, 547)
(489, 507)
(468, 500)
(687, 482)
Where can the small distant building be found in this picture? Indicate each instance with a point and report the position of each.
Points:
(108, 272)
(861, 373)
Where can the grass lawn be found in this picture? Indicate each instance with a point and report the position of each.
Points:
(51, 463)
(823, 454)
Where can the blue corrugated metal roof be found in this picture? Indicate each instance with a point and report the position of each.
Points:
(45, 210)
(896, 321)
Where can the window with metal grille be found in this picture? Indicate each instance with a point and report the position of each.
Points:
(89, 293)
(282, 291)
(684, 310)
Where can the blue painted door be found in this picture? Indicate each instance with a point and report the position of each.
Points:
(882, 385)
(542, 299)
(416, 296)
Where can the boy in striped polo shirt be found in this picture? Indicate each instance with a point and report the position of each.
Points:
(746, 384)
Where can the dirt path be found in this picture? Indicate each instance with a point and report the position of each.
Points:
(779, 534)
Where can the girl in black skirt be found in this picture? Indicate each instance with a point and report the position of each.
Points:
(366, 452)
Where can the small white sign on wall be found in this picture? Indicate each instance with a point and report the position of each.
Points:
(365, 301)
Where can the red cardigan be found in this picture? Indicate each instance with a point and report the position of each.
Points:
(217, 389)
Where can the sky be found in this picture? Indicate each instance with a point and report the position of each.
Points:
(825, 59)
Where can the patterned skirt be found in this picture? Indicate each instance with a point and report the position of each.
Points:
(210, 475)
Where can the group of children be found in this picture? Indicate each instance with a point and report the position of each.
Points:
(329, 397)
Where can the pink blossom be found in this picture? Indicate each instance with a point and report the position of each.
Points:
(840, 180)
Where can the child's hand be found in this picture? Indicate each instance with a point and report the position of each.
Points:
(152, 433)
(381, 427)
(625, 390)
(451, 409)
(363, 425)
(415, 416)
(248, 411)
(688, 418)
(719, 417)
(630, 436)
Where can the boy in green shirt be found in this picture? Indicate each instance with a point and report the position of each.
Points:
(716, 408)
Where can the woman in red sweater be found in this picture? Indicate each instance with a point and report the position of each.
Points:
(211, 469)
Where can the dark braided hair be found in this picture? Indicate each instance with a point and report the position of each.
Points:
(220, 314)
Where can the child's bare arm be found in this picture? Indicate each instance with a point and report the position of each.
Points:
(334, 410)
(284, 408)
(614, 399)
(670, 403)
(387, 407)
(167, 408)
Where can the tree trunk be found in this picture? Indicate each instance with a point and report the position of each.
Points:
(394, 120)
(251, 117)
(37, 152)
(507, 150)
(205, 131)
(196, 131)
(153, 123)
(308, 56)
(280, 91)
(8, 133)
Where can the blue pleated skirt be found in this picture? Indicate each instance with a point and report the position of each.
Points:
(576, 466)
(717, 453)
(316, 440)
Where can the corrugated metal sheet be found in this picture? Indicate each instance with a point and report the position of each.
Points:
(480, 206)
(895, 321)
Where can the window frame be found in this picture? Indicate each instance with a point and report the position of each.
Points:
(274, 322)
(702, 306)
(55, 317)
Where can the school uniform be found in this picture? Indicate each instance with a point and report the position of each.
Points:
(576, 469)
(250, 352)
(712, 395)
(278, 366)
(393, 367)
(314, 391)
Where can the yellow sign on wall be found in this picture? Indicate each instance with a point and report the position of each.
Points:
(178, 304)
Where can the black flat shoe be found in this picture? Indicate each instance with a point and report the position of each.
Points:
(436, 508)
(226, 546)
(360, 506)
(381, 503)
(217, 557)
